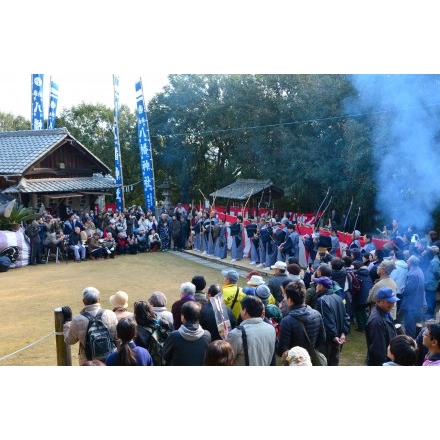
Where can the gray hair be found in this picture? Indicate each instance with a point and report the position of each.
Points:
(388, 266)
(187, 288)
(91, 295)
(415, 261)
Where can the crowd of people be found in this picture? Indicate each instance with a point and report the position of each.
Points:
(97, 236)
(285, 321)
(382, 291)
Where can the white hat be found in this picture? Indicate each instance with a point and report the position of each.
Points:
(279, 265)
(256, 280)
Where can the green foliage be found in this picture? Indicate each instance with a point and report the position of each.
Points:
(19, 216)
(9, 122)
(208, 130)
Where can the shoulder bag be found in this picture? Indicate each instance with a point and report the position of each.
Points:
(318, 359)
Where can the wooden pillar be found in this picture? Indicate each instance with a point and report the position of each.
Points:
(64, 354)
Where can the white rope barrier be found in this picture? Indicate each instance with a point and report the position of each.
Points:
(25, 348)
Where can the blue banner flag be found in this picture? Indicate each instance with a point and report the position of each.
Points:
(145, 149)
(37, 115)
(118, 167)
(53, 103)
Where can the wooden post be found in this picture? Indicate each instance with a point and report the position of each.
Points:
(64, 354)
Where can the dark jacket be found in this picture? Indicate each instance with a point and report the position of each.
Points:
(208, 322)
(176, 310)
(361, 298)
(292, 333)
(275, 286)
(181, 351)
(378, 331)
(340, 276)
(336, 319)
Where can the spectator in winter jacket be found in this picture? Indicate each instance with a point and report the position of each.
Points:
(360, 299)
(380, 327)
(291, 330)
(187, 292)
(336, 320)
(187, 345)
(75, 329)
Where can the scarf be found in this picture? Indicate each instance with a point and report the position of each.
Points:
(191, 332)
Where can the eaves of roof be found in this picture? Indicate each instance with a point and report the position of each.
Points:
(72, 184)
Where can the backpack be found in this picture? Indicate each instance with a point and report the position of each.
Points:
(159, 334)
(99, 343)
(275, 325)
(354, 284)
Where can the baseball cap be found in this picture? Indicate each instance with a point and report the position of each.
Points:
(387, 294)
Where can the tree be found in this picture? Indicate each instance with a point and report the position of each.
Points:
(9, 122)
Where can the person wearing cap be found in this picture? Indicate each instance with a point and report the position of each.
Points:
(94, 246)
(232, 294)
(432, 278)
(260, 336)
(270, 310)
(75, 329)
(380, 327)
(187, 292)
(253, 282)
(280, 274)
(291, 329)
(384, 270)
(207, 315)
(158, 301)
(413, 296)
(119, 302)
(335, 317)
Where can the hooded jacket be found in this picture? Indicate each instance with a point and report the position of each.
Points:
(292, 333)
(399, 274)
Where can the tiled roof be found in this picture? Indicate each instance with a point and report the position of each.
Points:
(95, 183)
(243, 188)
(20, 149)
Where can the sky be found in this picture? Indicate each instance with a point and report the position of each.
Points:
(15, 90)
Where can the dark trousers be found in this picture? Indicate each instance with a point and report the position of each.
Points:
(332, 351)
